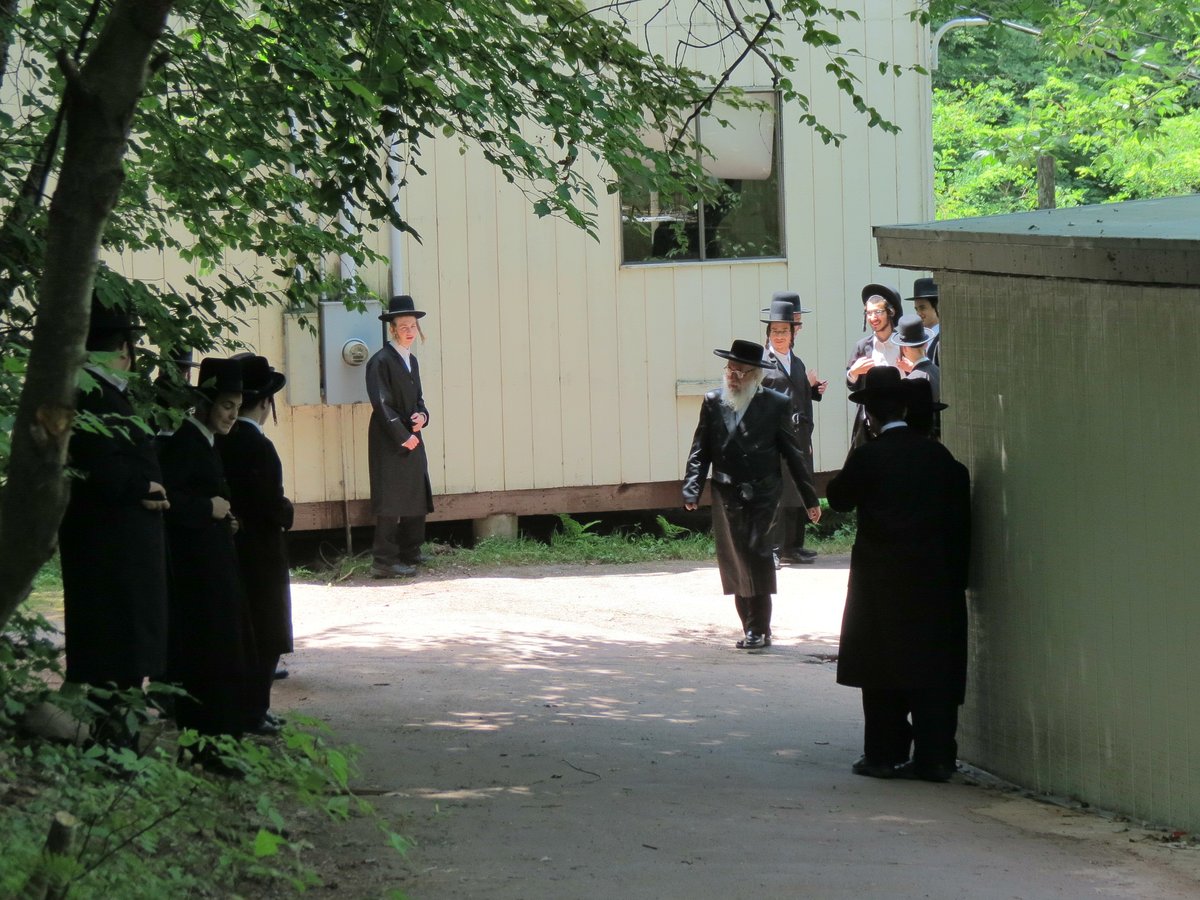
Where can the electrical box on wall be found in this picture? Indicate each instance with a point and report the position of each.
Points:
(348, 340)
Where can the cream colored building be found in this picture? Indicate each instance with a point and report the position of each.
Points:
(562, 378)
(1069, 363)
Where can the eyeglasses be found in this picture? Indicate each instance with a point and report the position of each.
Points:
(871, 313)
(738, 373)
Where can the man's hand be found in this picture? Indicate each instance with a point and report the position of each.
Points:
(861, 365)
(691, 506)
(814, 514)
(220, 507)
(904, 364)
(814, 380)
(412, 443)
(418, 422)
(157, 499)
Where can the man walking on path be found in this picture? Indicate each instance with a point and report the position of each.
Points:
(401, 495)
(904, 629)
(743, 433)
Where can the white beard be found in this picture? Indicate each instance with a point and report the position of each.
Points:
(738, 397)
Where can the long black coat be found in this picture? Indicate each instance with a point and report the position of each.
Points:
(746, 479)
(264, 514)
(212, 653)
(905, 622)
(794, 385)
(399, 477)
(112, 550)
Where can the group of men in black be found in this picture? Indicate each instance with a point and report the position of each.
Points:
(904, 628)
(172, 546)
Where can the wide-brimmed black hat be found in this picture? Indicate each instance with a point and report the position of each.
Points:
(219, 376)
(109, 319)
(880, 383)
(259, 379)
(910, 332)
(887, 293)
(919, 396)
(748, 353)
(925, 289)
(400, 305)
(783, 297)
(779, 311)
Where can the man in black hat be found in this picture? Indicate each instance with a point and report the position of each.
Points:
(743, 433)
(913, 338)
(881, 310)
(787, 374)
(111, 541)
(401, 495)
(212, 653)
(904, 629)
(925, 305)
(264, 514)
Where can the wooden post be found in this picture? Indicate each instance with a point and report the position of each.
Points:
(1045, 182)
(60, 842)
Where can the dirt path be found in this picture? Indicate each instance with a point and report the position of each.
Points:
(591, 732)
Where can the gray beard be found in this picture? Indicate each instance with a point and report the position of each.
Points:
(738, 400)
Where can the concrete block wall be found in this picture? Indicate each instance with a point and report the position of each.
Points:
(1076, 406)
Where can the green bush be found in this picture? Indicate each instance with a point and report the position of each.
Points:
(150, 822)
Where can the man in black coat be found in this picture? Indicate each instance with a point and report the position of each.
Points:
(111, 539)
(401, 495)
(904, 630)
(264, 514)
(882, 308)
(787, 374)
(743, 433)
(211, 644)
(925, 305)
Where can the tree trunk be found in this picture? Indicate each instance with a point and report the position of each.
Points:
(101, 99)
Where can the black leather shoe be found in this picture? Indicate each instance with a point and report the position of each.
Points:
(265, 727)
(936, 772)
(281, 673)
(397, 570)
(872, 769)
(420, 560)
(806, 553)
(766, 642)
(752, 641)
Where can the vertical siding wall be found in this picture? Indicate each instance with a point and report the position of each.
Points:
(1074, 407)
(548, 364)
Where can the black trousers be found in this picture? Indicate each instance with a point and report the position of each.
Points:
(888, 734)
(755, 613)
(398, 540)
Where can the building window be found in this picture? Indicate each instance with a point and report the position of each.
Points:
(743, 221)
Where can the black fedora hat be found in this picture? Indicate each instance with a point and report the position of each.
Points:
(219, 376)
(925, 289)
(748, 353)
(886, 293)
(400, 305)
(110, 319)
(919, 396)
(779, 311)
(910, 332)
(880, 383)
(259, 379)
(787, 297)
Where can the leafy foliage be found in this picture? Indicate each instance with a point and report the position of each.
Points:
(1109, 96)
(151, 823)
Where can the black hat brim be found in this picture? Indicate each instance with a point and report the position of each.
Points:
(388, 316)
(759, 362)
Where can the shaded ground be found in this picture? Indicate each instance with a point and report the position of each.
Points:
(591, 732)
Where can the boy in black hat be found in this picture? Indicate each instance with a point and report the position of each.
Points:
(743, 433)
(212, 653)
(264, 514)
(925, 305)
(111, 540)
(881, 310)
(401, 495)
(912, 338)
(904, 629)
(788, 375)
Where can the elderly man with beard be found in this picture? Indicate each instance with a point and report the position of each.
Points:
(743, 433)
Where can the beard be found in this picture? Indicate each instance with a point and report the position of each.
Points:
(736, 395)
